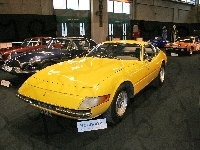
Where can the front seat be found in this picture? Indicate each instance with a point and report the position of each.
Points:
(137, 53)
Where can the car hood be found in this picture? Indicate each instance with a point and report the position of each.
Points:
(75, 75)
(66, 84)
(2, 50)
(26, 56)
(20, 49)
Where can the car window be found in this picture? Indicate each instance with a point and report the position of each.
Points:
(150, 50)
(69, 45)
(117, 51)
(81, 44)
(188, 41)
(26, 42)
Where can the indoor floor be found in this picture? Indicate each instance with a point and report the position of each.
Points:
(167, 118)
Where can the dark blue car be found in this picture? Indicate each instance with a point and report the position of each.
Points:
(159, 42)
(58, 50)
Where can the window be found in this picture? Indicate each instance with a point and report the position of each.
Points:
(126, 8)
(84, 5)
(109, 6)
(78, 4)
(59, 4)
(187, 1)
(118, 7)
(82, 29)
(72, 4)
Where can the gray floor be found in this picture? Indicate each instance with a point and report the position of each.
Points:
(158, 119)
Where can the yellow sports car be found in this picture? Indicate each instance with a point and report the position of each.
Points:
(100, 83)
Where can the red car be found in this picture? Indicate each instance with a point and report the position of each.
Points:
(28, 44)
(183, 45)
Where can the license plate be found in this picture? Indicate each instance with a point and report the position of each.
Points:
(182, 49)
(46, 113)
(174, 54)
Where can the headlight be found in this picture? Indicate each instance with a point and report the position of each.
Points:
(34, 59)
(90, 102)
(9, 57)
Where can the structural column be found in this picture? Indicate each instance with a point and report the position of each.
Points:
(46, 7)
(99, 20)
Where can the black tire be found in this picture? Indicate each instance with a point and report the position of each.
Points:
(168, 52)
(190, 52)
(118, 107)
(159, 80)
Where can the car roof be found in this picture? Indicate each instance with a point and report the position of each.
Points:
(126, 42)
(67, 37)
(38, 37)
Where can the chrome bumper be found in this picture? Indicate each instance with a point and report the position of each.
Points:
(17, 70)
(78, 114)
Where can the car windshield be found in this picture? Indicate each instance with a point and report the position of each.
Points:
(188, 40)
(26, 42)
(69, 44)
(35, 41)
(116, 50)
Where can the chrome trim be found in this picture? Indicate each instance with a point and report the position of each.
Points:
(17, 70)
(80, 114)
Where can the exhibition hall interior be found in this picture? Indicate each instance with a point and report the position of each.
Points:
(100, 74)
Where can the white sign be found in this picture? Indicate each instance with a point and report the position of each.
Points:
(91, 125)
(174, 54)
(5, 83)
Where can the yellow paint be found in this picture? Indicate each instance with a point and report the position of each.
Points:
(66, 84)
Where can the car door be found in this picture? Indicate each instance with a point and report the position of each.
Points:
(151, 62)
(137, 72)
(138, 76)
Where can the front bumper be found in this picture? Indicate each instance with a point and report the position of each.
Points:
(176, 50)
(17, 70)
(59, 110)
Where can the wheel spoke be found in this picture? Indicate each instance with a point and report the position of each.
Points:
(162, 75)
(121, 103)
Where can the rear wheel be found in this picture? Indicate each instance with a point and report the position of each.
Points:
(118, 107)
(191, 51)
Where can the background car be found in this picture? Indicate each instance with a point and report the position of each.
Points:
(183, 46)
(58, 49)
(159, 42)
(101, 83)
(28, 44)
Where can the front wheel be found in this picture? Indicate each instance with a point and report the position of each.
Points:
(118, 107)
(159, 80)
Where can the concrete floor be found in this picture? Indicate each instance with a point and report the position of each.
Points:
(157, 119)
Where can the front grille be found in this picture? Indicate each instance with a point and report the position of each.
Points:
(13, 63)
(81, 114)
